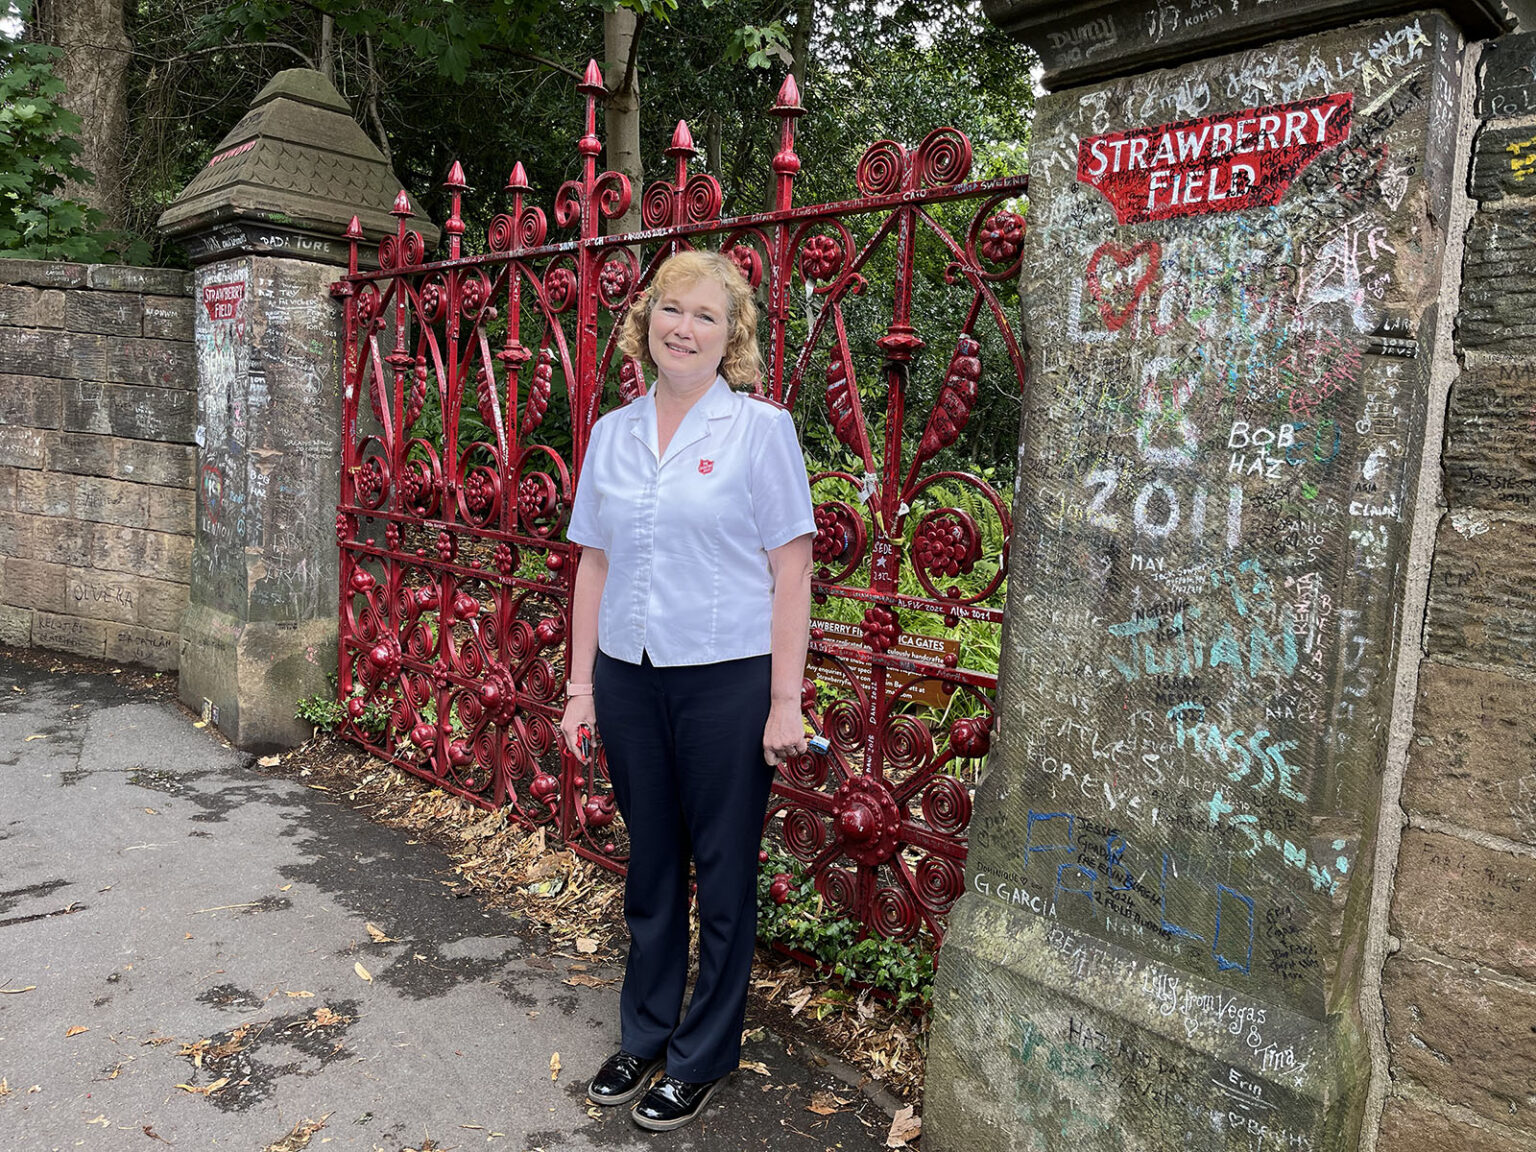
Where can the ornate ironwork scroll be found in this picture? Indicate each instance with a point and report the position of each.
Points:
(472, 383)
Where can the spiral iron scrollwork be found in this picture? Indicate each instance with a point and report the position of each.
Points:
(471, 388)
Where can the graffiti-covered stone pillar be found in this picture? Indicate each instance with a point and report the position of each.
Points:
(1234, 286)
(263, 223)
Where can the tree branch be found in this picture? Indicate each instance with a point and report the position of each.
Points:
(228, 47)
(553, 65)
(634, 52)
(373, 103)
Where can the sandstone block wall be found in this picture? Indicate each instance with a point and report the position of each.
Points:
(98, 406)
(1460, 991)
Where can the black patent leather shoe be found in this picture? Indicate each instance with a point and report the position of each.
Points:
(622, 1077)
(671, 1103)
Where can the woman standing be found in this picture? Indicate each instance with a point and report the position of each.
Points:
(689, 625)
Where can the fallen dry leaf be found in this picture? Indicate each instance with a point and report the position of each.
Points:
(363, 972)
(480, 830)
(35, 736)
(301, 995)
(76, 1030)
(586, 944)
(101, 1119)
(755, 1066)
(904, 1127)
(549, 866)
(199, 723)
(270, 761)
(798, 1001)
(378, 934)
(554, 1066)
(5, 1089)
(587, 980)
(325, 1018)
(825, 1104)
(298, 1139)
(17, 991)
(206, 1089)
(285, 887)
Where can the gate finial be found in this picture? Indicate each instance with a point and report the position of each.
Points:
(682, 142)
(786, 162)
(454, 225)
(592, 83)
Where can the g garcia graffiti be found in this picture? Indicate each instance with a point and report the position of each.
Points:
(1088, 869)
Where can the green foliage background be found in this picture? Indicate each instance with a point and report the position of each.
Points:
(38, 221)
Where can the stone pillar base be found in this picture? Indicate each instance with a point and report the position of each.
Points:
(250, 672)
(1155, 1057)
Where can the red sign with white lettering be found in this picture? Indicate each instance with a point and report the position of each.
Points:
(223, 300)
(1215, 164)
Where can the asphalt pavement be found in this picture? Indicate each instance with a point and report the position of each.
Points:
(191, 957)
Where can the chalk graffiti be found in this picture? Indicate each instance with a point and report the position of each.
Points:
(1118, 292)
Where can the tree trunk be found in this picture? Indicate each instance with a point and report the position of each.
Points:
(712, 133)
(326, 55)
(94, 69)
(621, 125)
(373, 105)
(800, 41)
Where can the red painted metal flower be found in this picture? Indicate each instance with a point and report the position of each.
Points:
(820, 257)
(1002, 236)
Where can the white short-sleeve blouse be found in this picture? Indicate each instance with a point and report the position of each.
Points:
(687, 533)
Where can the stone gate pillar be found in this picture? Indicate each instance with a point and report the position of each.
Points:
(1235, 295)
(263, 223)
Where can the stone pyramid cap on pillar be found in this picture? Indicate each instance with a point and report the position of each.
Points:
(1086, 41)
(287, 179)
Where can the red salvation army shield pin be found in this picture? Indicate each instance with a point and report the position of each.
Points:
(706, 467)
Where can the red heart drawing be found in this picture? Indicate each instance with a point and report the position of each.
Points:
(1106, 297)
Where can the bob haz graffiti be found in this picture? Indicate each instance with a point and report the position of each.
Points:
(1226, 163)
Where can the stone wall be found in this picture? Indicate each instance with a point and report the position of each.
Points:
(1232, 370)
(98, 404)
(1460, 991)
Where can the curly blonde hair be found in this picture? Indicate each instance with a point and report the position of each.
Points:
(742, 364)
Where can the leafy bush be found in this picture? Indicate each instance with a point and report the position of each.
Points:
(803, 923)
(37, 159)
(326, 712)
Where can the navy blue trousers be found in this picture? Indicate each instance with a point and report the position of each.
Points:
(685, 755)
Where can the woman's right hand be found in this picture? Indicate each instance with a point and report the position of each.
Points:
(578, 711)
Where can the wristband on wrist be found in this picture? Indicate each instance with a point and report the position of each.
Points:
(577, 690)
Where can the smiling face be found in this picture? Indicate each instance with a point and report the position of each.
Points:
(689, 328)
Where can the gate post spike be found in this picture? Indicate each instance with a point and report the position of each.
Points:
(681, 150)
(518, 181)
(682, 141)
(788, 101)
(786, 163)
(592, 82)
(591, 87)
(454, 225)
(354, 234)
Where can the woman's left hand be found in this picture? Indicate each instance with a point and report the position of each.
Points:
(784, 734)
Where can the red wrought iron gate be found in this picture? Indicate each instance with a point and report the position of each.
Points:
(472, 384)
